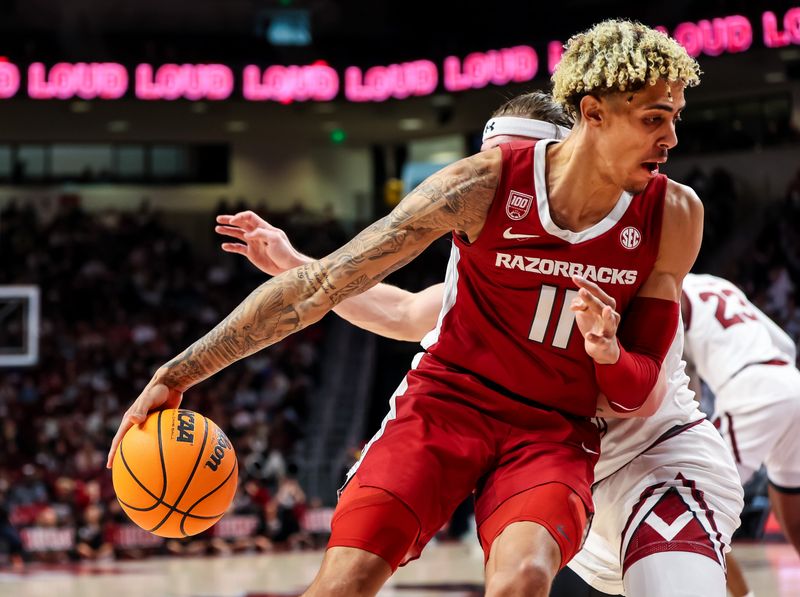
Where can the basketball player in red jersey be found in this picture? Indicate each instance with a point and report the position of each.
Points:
(501, 400)
(666, 492)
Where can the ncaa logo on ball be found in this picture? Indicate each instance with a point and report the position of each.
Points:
(630, 237)
(518, 205)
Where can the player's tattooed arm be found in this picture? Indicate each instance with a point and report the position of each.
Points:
(455, 198)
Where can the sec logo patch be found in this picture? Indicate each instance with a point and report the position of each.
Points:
(630, 237)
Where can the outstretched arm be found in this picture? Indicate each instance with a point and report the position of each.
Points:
(394, 313)
(383, 309)
(455, 198)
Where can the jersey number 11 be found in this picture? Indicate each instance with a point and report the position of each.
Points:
(544, 312)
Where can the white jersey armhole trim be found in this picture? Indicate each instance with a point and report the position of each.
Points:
(542, 204)
(448, 299)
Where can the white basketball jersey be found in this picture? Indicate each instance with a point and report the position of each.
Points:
(725, 332)
(622, 440)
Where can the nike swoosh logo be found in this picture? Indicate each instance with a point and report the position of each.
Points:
(512, 236)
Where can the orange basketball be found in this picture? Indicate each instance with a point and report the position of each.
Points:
(175, 475)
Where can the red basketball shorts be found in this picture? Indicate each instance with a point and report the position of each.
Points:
(448, 435)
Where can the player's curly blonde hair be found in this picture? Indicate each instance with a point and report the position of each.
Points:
(619, 55)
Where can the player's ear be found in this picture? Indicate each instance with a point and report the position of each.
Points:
(592, 110)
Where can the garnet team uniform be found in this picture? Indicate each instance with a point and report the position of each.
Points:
(748, 363)
(501, 403)
(667, 500)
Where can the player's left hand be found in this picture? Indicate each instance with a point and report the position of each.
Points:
(597, 319)
(155, 396)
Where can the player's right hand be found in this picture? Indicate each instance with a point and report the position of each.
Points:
(155, 396)
(597, 319)
(264, 245)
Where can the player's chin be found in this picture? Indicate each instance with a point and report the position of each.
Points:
(634, 190)
(634, 187)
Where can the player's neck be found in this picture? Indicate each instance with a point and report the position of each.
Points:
(578, 194)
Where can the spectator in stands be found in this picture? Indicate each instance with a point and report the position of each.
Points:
(10, 541)
(92, 540)
(779, 290)
(29, 490)
(280, 526)
(52, 545)
(290, 504)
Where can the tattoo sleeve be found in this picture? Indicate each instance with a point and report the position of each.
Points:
(456, 198)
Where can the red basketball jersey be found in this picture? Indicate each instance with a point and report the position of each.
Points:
(505, 316)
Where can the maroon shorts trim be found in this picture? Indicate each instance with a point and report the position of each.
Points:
(671, 525)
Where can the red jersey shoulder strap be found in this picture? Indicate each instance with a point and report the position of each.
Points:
(514, 200)
(653, 201)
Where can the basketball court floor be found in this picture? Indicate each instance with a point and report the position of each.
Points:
(453, 570)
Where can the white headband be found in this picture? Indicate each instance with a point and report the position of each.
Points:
(523, 127)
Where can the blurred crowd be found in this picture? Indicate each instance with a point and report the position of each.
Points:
(120, 295)
(102, 335)
(769, 269)
(717, 190)
(753, 244)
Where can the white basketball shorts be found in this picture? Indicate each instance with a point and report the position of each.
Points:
(682, 497)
